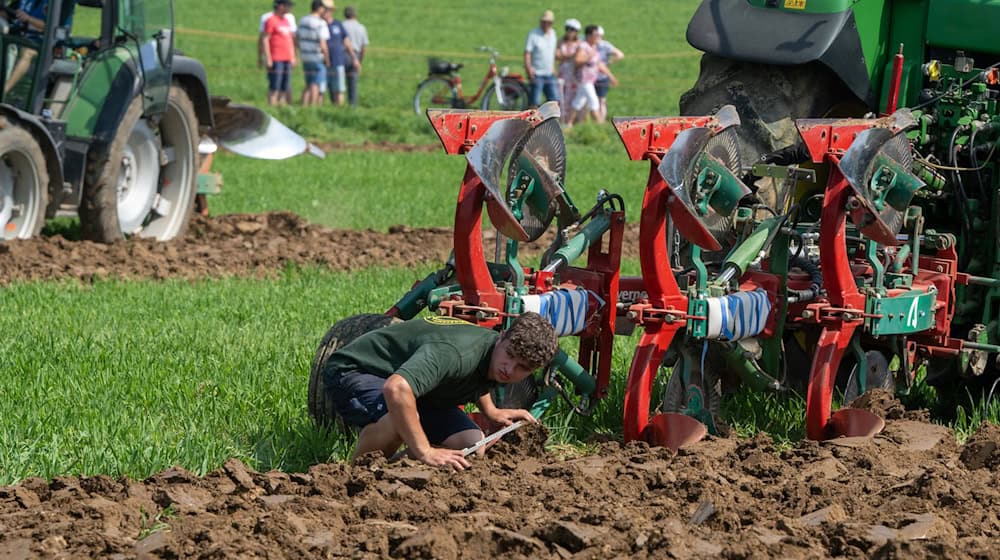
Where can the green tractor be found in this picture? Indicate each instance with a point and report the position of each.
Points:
(778, 60)
(101, 117)
(931, 192)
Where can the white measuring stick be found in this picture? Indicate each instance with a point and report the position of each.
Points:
(491, 438)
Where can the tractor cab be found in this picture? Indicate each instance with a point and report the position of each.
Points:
(67, 51)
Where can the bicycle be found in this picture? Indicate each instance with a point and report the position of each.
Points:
(500, 89)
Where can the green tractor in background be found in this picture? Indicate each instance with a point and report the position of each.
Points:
(101, 117)
(776, 61)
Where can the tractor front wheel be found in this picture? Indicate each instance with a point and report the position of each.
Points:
(146, 182)
(24, 183)
(340, 334)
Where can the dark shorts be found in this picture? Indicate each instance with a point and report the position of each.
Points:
(279, 77)
(357, 398)
(602, 85)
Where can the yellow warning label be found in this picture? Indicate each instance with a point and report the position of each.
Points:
(442, 320)
(795, 4)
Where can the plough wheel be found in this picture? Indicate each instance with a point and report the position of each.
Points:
(877, 376)
(341, 333)
(704, 390)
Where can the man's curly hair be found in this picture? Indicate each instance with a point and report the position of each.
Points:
(532, 340)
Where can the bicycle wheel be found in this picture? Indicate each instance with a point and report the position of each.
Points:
(433, 92)
(515, 97)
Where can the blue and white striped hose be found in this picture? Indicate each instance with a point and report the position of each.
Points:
(565, 309)
(737, 316)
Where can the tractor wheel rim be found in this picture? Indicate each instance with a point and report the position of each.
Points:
(177, 184)
(138, 177)
(19, 195)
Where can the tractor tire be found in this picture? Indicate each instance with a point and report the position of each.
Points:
(130, 190)
(768, 99)
(878, 376)
(340, 334)
(24, 183)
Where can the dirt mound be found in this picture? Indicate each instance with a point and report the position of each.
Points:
(527, 441)
(982, 451)
(886, 498)
(236, 245)
(886, 405)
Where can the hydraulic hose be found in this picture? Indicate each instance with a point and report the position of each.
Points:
(815, 277)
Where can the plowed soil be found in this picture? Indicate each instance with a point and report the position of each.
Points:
(899, 495)
(238, 245)
(910, 492)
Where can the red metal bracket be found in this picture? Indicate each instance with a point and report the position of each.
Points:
(460, 129)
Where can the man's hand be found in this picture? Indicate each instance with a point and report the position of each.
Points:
(437, 457)
(507, 416)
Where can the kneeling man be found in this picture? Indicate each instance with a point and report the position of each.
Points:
(403, 383)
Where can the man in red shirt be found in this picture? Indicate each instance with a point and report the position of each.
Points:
(278, 40)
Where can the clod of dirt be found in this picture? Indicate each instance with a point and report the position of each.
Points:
(880, 402)
(982, 451)
(526, 441)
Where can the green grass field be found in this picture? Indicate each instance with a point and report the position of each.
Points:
(128, 378)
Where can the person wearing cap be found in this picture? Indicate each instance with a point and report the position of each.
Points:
(311, 37)
(539, 60)
(566, 57)
(609, 54)
(358, 35)
(588, 66)
(279, 53)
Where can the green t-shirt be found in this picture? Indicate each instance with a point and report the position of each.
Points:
(445, 360)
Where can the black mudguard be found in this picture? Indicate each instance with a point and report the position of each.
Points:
(737, 30)
(191, 75)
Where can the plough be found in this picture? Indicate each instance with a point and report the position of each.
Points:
(731, 285)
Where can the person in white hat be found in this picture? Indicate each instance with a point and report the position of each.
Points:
(565, 56)
(540, 60)
(609, 54)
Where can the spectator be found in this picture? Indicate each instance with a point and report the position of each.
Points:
(358, 35)
(278, 40)
(312, 37)
(341, 53)
(566, 56)
(609, 55)
(260, 43)
(588, 66)
(539, 60)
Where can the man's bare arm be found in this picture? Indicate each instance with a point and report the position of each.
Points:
(403, 412)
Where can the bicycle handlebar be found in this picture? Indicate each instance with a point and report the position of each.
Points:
(493, 52)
